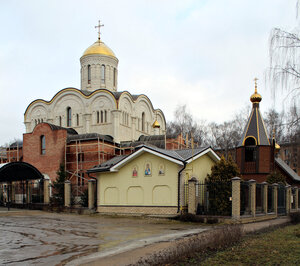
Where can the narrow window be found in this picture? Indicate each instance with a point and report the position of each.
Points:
(60, 121)
(114, 77)
(42, 120)
(77, 119)
(143, 121)
(103, 74)
(69, 117)
(89, 74)
(105, 116)
(35, 122)
(43, 145)
(101, 116)
(250, 150)
(98, 117)
(82, 179)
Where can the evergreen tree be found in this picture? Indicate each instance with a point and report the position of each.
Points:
(275, 177)
(58, 186)
(219, 186)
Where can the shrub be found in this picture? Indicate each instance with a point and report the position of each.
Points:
(295, 217)
(188, 217)
(275, 177)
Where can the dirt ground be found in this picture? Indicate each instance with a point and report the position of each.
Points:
(42, 238)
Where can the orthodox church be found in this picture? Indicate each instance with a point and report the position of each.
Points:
(98, 107)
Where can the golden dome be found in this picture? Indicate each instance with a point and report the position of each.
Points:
(156, 124)
(99, 47)
(255, 97)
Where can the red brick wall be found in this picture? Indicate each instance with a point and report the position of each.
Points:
(55, 148)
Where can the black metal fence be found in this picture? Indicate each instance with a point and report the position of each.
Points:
(245, 198)
(270, 199)
(214, 198)
(281, 199)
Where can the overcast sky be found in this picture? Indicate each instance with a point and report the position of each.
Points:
(203, 53)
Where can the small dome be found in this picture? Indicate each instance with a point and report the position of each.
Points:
(99, 47)
(277, 146)
(255, 97)
(156, 124)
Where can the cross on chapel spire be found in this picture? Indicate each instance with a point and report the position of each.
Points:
(99, 26)
(255, 82)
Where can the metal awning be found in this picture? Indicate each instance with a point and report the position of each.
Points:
(18, 171)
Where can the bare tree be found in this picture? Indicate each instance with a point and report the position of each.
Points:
(274, 122)
(284, 70)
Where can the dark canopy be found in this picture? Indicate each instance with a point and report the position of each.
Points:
(18, 171)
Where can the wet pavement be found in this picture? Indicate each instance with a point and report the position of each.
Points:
(42, 238)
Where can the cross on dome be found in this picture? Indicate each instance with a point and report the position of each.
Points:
(99, 26)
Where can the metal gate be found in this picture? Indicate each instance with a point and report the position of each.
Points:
(281, 208)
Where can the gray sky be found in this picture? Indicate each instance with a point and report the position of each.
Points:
(197, 52)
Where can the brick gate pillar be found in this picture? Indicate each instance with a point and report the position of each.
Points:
(253, 197)
(275, 197)
(46, 191)
(91, 191)
(67, 193)
(192, 206)
(236, 198)
(265, 199)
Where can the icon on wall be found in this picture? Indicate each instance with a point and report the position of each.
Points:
(161, 170)
(148, 169)
(135, 171)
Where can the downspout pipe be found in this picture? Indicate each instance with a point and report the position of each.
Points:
(179, 174)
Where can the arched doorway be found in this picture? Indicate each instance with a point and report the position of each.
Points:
(21, 185)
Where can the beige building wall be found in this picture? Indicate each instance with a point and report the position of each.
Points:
(199, 168)
(123, 188)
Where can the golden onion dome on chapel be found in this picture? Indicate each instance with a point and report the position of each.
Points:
(255, 97)
(99, 47)
(156, 124)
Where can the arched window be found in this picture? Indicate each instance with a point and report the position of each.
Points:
(77, 119)
(103, 74)
(143, 121)
(250, 149)
(101, 116)
(115, 77)
(59, 121)
(98, 117)
(43, 145)
(89, 74)
(105, 116)
(69, 117)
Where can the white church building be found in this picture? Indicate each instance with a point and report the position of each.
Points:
(98, 107)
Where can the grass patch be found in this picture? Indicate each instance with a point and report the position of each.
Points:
(279, 247)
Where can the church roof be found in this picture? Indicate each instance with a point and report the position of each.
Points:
(177, 156)
(287, 169)
(70, 131)
(90, 136)
(255, 126)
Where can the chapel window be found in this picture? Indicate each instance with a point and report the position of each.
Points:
(77, 119)
(115, 77)
(250, 149)
(89, 74)
(103, 74)
(43, 145)
(143, 121)
(69, 117)
(98, 117)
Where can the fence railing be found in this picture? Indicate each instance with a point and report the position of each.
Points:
(245, 198)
